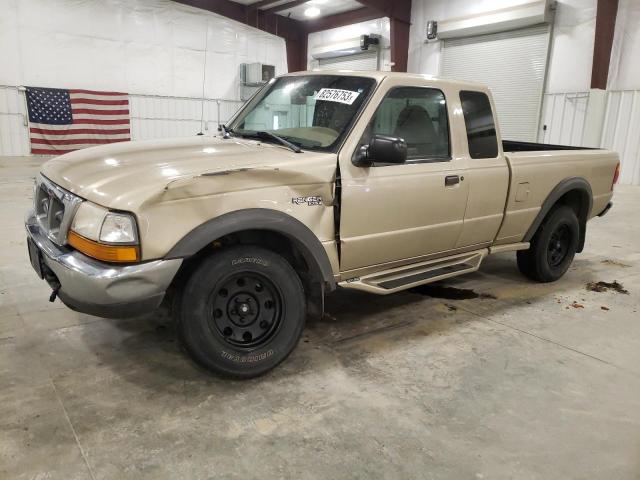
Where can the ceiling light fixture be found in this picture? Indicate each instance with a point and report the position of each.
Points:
(312, 12)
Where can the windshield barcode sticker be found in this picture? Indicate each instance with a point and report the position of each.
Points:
(336, 95)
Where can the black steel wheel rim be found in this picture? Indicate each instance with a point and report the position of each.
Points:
(246, 309)
(559, 243)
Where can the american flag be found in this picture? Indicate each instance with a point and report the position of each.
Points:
(61, 121)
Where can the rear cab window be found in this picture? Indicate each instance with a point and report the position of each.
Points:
(481, 127)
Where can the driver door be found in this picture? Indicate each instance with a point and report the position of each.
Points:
(399, 213)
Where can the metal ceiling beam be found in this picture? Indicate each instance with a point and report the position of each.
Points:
(285, 6)
(262, 3)
(605, 26)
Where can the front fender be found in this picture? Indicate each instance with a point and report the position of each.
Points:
(259, 219)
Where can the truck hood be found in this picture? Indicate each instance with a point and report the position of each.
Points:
(125, 175)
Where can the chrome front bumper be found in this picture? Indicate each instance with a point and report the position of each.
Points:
(97, 288)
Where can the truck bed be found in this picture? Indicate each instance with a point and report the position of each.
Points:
(515, 146)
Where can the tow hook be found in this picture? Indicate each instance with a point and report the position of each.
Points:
(54, 294)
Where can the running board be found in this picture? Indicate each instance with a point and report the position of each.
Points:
(407, 276)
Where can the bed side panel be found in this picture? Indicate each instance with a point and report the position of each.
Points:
(536, 174)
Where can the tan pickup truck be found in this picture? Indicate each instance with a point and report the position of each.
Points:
(373, 181)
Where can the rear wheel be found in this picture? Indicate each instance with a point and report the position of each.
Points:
(242, 312)
(552, 248)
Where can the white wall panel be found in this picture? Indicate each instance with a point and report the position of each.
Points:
(164, 117)
(563, 118)
(13, 130)
(152, 49)
(620, 132)
(145, 47)
(624, 68)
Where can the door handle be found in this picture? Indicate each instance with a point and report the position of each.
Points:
(451, 180)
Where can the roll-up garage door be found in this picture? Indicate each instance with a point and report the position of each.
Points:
(359, 61)
(513, 65)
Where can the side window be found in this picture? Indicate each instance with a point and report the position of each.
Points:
(481, 129)
(417, 115)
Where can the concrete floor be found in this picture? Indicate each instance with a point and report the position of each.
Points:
(406, 386)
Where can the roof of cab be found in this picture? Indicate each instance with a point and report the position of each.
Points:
(379, 76)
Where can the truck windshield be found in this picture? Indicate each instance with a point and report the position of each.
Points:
(313, 112)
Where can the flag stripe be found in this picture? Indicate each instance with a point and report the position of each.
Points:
(99, 116)
(72, 128)
(77, 141)
(89, 96)
(95, 92)
(92, 101)
(91, 111)
(100, 107)
(48, 151)
(89, 121)
(40, 137)
(79, 131)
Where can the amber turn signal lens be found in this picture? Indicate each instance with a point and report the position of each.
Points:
(106, 253)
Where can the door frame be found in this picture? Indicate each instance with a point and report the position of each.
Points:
(458, 147)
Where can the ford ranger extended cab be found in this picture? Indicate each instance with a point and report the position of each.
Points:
(372, 181)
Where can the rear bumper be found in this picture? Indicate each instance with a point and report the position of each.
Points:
(606, 209)
(97, 288)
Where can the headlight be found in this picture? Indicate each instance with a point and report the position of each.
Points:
(118, 228)
(105, 235)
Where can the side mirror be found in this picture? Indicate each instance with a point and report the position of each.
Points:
(383, 149)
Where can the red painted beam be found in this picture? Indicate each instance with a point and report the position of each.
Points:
(226, 8)
(399, 45)
(605, 27)
(398, 9)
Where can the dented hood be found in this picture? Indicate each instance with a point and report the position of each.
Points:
(125, 175)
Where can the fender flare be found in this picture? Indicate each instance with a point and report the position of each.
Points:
(565, 186)
(259, 219)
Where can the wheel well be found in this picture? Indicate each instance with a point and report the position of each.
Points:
(579, 201)
(277, 242)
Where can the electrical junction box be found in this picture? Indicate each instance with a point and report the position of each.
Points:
(255, 74)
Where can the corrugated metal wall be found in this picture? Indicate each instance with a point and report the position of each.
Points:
(13, 129)
(621, 132)
(562, 118)
(152, 116)
(161, 117)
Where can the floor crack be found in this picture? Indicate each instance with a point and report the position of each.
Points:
(550, 341)
(73, 430)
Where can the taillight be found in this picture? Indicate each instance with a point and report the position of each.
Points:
(616, 175)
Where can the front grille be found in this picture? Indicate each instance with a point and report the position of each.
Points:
(54, 208)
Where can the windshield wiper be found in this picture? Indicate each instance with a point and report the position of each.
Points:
(226, 131)
(279, 139)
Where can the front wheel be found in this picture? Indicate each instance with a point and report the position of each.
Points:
(552, 248)
(242, 311)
